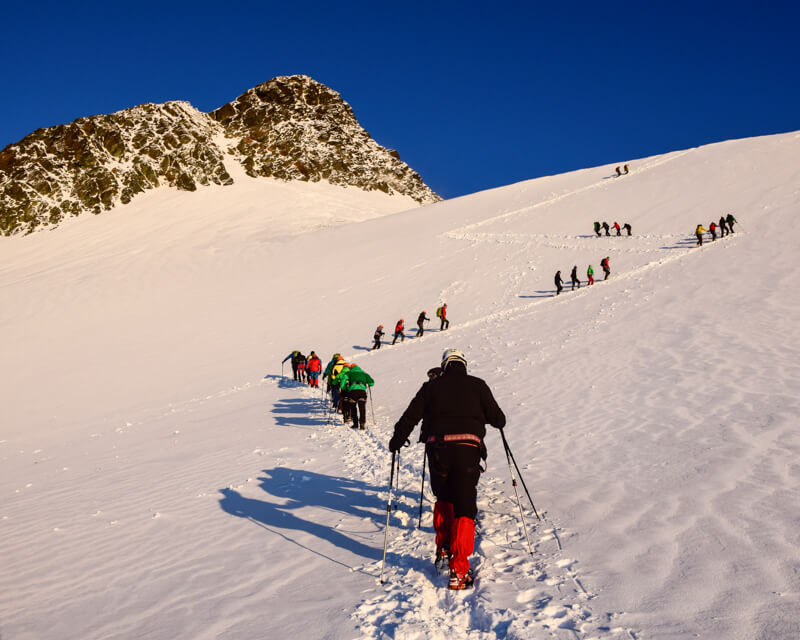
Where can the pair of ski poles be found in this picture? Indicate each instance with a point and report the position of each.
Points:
(512, 464)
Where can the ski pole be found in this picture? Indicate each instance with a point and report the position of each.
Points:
(282, 370)
(422, 488)
(522, 480)
(388, 513)
(371, 404)
(519, 504)
(398, 474)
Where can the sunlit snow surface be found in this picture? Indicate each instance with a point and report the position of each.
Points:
(160, 479)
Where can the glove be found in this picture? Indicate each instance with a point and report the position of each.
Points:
(397, 442)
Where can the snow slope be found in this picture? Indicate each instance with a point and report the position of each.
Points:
(160, 479)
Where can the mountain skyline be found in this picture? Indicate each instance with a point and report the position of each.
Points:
(472, 95)
(289, 128)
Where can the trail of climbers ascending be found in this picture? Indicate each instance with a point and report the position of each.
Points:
(594, 185)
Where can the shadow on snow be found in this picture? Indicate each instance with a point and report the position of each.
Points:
(300, 412)
(298, 489)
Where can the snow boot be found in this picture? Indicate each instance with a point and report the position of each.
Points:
(459, 581)
(442, 561)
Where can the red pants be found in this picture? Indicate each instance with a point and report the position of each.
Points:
(454, 473)
(456, 533)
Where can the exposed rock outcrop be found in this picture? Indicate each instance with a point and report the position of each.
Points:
(290, 128)
(294, 128)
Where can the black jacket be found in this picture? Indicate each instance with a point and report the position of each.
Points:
(452, 404)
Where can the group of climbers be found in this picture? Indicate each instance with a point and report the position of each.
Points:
(454, 408)
(347, 384)
(725, 226)
(615, 226)
(399, 327)
(305, 369)
(605, 263)
(620, 173)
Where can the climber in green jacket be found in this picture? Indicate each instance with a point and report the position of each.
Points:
(353, 383)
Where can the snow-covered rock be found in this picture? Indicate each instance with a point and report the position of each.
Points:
(290, 128)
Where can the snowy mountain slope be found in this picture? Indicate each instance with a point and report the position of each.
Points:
(158, 485)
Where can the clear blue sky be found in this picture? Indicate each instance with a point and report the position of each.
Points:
(472, 94)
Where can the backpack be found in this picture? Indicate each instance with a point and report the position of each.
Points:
(439, 312)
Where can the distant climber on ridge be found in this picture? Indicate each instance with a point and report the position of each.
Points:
(699, 234)
(421, 319)
(398, 331)
(723, 227)
(606, 267)
(441, 313)
(377, 337)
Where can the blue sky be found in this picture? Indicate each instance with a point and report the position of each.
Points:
(472, 94)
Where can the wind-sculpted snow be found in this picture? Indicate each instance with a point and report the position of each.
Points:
(161, 476)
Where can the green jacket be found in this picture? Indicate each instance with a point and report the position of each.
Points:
(590, 271)
(354, 379)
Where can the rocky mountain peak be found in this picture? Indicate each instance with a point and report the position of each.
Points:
(290, 128)
(295, 128)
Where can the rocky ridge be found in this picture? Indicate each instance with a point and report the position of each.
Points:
(289, 128)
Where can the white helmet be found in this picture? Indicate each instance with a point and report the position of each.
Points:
(451, 355)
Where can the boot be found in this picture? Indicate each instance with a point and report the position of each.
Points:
(442, 561)
(461, 581)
